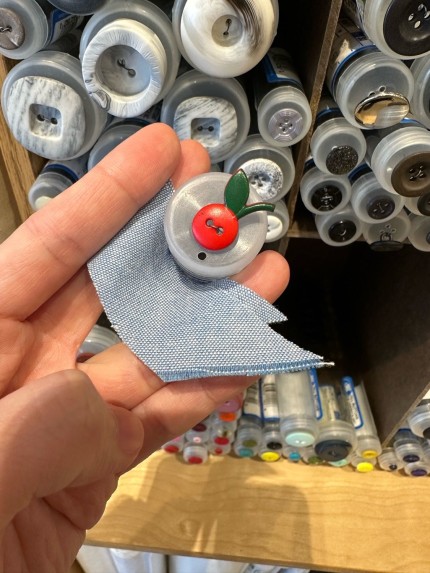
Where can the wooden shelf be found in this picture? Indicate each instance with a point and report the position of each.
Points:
(246, 510)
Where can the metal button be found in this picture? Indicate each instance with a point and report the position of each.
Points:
(12, 32)
(341, 160)
(407, 27)
(411, 177)
(342, 231)
(285, 125)
(380, 207)
(326, 198)
(381, 109)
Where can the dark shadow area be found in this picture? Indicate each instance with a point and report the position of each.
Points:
(368, 312)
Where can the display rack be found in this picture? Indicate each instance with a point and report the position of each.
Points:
(371, 312)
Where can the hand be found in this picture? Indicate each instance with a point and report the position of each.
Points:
(67, 430)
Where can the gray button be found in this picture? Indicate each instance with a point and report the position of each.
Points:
(12, 32)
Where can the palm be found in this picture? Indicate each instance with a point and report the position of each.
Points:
(44, 322)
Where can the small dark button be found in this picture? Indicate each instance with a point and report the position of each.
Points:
(12, 32)
(333, 450)
(342, 231)
(411, 458)
(380, 207)
(341, 160)
(326, 198)
(388, 246)
(411, 177)
(406, 27)
(423, 204)
(274, 446)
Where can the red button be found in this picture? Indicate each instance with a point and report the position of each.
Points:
(215, 227)
(222, 441)
(171, 449)
(195, 460)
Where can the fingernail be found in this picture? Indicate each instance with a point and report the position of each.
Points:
(130, 431)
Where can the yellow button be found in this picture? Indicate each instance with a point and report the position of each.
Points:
(270, 456)
(365, 467)
(369, 454)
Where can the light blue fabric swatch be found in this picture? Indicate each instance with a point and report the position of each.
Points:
(182, 327)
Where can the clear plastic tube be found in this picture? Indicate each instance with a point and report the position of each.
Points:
(336, 435)
(127, 561)
(337, 147)
(283, 112)
(296, 392)
(51, 115)
(310, 457)
(407, 446)
(419, 205)
(417, 469)
(291, 453)
(31, 25)
(116, 133)
(84, 7)
(213, 111)
(396, 27)
(419, 418)
(98, 339)
(420, 69)
(357, 403)
(198, 434)
(55, 178)
(389, 235)
(223, 41)
(270, 169)
(400, 158)
(219, 449)
(129, 57)
(370, 201)
(324, 192)
(419, 234)
(371, 89)
(361, 464)
(195, 454)
(388, 461)
(174, 446)
(278, 222)
(340, 228)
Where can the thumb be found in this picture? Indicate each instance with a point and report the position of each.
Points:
(57, 432)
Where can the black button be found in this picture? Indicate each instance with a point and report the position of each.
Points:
(380, 207)
(407, 27)
(341, 160)
(333, 450)
(326, 198)
(342, 231)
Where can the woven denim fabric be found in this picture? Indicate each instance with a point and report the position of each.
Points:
(182, 327)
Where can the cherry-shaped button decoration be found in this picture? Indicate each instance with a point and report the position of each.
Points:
(216, 226)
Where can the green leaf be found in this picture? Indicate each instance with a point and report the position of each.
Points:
(237, 191)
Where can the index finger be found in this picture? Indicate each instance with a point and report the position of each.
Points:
(55, 242)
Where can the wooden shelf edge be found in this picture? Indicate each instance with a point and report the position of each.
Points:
(281, 513)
